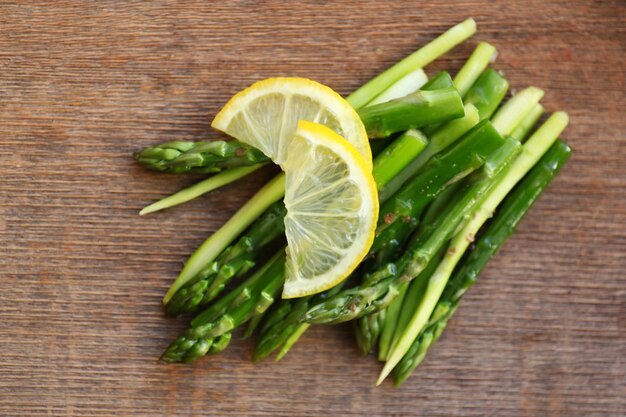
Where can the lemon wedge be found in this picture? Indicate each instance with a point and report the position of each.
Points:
(332, 210)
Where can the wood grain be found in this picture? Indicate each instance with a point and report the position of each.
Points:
(83, 84)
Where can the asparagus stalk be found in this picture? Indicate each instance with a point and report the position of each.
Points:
(491, 89)
(251, 298)
(475, 65)
(212, 183)
(510, 116)
(416, 60)
(234, 261)
(200, 157)
(524, 128)
(211, 248)
(367, 329)
(487, 93)
(536, 146)
(416, 110)
(391, 320)
(381, 287)
(408, 84)
(415, 292)
(513, 208)
(398, 155)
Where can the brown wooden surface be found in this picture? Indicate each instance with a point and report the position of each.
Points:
(83, 84)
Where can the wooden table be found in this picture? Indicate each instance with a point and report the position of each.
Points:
(83, 84)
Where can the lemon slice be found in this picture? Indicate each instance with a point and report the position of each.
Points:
(332, 210)
(265, 115)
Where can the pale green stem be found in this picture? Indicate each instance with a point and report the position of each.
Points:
(202, 187)
(522, 130)
(475, 65)
(509, 116)
(406, 85)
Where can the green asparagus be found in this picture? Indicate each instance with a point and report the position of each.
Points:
(199, 157)
(252, 297)
(474, 67)
(536, 146)
(513, 208)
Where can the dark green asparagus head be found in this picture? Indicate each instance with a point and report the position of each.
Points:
(353, 303)
(200, 157)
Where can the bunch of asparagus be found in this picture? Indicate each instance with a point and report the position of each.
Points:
(456, 171)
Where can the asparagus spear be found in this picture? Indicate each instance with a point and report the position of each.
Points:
(397, 155)
(487, 93)
(199, 157)
(252, 297)
(391, 319)
(414, 293)
(212, 183)
(536, 146)
(416, 60)
(416, 110)
(522, 130)
(367, 329)
(513, 208)
(475, 65)
(516, 109)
